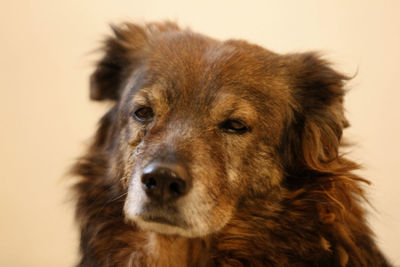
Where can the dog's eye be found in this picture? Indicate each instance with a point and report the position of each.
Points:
(234, 127)
(143, 114)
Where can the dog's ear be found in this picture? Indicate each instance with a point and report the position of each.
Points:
(123, 52)
(120, 53)
(314, 132)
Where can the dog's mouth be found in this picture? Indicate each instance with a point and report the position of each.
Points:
(167, 215)
(160, 220)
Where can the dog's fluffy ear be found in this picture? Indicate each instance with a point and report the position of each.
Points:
(123, 52)
(314, 133)
(120, 53)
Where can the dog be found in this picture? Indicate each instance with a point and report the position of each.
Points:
(218, 153)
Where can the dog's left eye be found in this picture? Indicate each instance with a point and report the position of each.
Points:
(143, 114)
(234, 127)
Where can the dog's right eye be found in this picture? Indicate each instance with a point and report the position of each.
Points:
(143, 114)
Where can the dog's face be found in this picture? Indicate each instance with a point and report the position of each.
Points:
(201, 125)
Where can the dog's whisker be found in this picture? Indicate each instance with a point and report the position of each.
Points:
(118, 197)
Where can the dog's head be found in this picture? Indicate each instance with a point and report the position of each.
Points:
(200, 125)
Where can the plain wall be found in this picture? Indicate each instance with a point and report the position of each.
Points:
(46, 118)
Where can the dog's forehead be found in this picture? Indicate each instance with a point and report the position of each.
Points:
(188, 63)
(197, 73)
(195, 54)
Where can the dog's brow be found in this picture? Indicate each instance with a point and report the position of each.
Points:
(235, 106)
(151, 96)
(148, 94)
(142, 97)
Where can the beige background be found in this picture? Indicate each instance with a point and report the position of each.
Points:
(46, 117)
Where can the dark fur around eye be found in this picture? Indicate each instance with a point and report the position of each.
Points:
(233, 126)
(143, 114)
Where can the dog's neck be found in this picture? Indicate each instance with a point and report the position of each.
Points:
(167, 250)
(162, 250)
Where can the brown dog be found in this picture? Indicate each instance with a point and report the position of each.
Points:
(218, 154)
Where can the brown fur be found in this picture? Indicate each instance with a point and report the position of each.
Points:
(279, 194)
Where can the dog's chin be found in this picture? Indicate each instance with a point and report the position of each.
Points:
(165, 226)
(173, 218)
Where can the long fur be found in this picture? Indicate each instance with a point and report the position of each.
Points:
(312, 217)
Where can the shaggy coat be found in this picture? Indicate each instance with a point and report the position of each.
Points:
(217, 154)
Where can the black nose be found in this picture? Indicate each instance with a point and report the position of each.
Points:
(164, 182)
